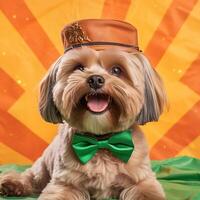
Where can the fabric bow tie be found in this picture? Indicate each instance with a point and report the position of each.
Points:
(120, 145)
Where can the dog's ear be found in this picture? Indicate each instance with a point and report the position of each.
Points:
(154, 94)
(47, 108)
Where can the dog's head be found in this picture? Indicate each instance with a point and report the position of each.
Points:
(101, 91)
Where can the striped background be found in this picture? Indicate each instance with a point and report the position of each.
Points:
(169, 34)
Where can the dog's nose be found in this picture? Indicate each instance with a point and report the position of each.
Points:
(96, 81)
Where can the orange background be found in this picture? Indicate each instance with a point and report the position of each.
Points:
(169, 34)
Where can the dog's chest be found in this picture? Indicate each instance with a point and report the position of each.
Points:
(102, 171)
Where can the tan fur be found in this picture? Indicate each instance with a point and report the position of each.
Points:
(138, 98)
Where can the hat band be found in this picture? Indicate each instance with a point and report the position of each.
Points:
(100, 43)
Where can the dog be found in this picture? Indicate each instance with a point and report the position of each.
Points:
(101, 90)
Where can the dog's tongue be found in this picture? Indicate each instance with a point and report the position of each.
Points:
(97, 103)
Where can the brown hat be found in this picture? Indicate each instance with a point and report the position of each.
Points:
(100, 34)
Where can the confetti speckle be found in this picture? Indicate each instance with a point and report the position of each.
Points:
(19, 81)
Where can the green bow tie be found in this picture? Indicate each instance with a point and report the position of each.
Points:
(120, 144)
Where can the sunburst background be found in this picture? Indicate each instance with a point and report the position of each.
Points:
(169, 34)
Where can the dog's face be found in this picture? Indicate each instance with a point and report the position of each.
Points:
(101, 91)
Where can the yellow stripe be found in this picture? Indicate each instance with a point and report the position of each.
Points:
(146, 16)
(21, 64)
(172, 67)
(181, 100)
(192, 149)
(16, 57)
(8, 155)
(184, 49)
(26, 110)
(53, 15)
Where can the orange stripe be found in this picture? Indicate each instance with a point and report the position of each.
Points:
(191, 77)
(180, 135)
(168, 28)
(115, 9)
(10, 91)
(18, 137)
(26, 24)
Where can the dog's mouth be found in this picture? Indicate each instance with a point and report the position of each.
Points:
(97, 103)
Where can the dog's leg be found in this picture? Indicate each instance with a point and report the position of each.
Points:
(15, 184)
(63, 192)
(148, 189)
(33, 180)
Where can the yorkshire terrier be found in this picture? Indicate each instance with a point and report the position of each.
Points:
(99, 91)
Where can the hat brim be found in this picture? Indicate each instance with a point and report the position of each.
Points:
(104, 47)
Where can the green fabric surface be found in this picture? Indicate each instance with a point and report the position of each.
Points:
(180, 178)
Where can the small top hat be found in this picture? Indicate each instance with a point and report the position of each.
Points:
(100, 34)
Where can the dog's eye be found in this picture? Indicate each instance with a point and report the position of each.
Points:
(79, 67)
(116, 70)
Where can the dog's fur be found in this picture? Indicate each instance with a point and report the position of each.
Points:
(137, 96)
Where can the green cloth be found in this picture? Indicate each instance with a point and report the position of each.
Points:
(120, 145)
(179, 176)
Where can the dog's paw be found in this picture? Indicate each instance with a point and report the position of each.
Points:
(11, 188)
